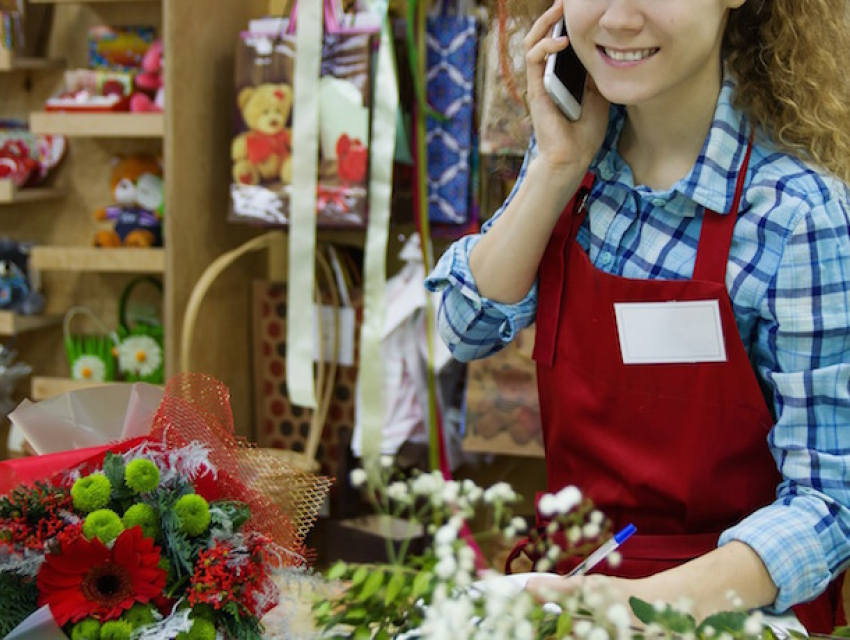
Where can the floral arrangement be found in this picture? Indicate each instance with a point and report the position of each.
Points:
(448, 591)
(171, 535)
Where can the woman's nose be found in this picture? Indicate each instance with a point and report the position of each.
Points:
(622, 15)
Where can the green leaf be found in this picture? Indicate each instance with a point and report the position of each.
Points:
(337, 571)
(373, 583)
(113, 469)
(421, 583)
(565, 625)
(394, 587)
(676, 621)
(729, 622)
(359, 575)
(644, 611)
(383, 634)
(842, 632)
(362, 633)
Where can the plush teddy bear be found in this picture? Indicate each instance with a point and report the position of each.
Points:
(264, 152)
(150, 95)
(136, 214)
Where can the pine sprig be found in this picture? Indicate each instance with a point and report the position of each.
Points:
(32, 502)
(20, 599)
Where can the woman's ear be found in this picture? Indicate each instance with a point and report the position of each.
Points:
(735, 4)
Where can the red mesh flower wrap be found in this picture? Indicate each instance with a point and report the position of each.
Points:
(284, 500)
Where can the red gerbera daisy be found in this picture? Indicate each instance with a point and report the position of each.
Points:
(87, 578)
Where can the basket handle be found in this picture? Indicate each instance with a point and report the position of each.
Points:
(79, 309)
(125, 297)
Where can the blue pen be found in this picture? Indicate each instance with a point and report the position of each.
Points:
(604, 551)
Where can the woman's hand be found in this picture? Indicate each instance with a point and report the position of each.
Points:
(611, 590)
(560, 142)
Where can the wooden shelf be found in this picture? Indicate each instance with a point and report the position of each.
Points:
(42, 388)
(98, 125)
(9, 61)
(10, 194)
(12, 323)
(104, 260)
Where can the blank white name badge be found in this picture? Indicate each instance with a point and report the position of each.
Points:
(667, 332)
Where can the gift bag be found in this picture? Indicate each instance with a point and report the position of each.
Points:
(261, 150)
(502, 409)
(282, 424)
(452, 49)
(91, 356)
(141, 349)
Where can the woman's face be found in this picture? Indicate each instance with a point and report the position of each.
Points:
(647, 52)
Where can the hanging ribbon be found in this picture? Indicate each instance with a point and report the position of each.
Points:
(302, 224)
(371, 377)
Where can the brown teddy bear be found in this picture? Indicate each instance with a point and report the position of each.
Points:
(264, 152)
(136, 213)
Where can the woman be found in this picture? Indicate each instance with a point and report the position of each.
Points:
(705, 185)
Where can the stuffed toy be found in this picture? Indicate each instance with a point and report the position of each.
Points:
(150, 95)
(353, 160)
(136, 214)
(264, 152)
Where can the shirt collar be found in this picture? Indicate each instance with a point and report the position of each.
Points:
(711, 182)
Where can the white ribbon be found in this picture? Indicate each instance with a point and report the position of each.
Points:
(371, 375)
(302, 223)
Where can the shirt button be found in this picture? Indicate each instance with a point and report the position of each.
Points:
(605, 258)
(659, 202)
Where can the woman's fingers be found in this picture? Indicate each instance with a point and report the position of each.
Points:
(543, 25)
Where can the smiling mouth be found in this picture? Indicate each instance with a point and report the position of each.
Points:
(632, 55)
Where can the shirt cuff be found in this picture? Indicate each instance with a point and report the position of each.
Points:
(790, 549)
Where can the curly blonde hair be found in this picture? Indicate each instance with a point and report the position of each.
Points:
(789, 58)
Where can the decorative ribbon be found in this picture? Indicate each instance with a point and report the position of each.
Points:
(302, 224)
(371, 377)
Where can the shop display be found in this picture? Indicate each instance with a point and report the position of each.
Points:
(141, 357)
(135, 215)
(261, 150)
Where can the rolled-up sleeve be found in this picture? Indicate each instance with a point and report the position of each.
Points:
(803, 537)
(471, 325)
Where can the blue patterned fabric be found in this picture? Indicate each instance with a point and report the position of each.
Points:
(788, 276)
(452, 46)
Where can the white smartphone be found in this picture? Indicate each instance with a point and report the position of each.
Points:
(564, 77)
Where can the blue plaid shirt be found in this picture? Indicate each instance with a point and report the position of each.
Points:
(787, 276)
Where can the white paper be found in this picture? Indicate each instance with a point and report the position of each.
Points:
(88, 417)
(668, 332)
(38, 626)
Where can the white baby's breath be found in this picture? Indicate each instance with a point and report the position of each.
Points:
(357, 478)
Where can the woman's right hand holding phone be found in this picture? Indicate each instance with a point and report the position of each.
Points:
(562, 145)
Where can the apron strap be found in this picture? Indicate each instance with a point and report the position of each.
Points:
(550, 280)
(716, 233)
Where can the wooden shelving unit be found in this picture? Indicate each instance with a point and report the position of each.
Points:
(10, 194)
(12, 323)
(98, 125)
(96, 259)
(11, 62)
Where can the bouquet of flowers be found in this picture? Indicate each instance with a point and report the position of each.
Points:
(179, 533)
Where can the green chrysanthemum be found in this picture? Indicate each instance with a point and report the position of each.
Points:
(103, 524)
(201, 630)
(88, 629)
(116, 630)
(141, 475)
(139, 615)
(203, 612)
(193, 512)
(144, 516)
(91, 493)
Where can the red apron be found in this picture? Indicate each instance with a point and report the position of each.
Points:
(679, 450)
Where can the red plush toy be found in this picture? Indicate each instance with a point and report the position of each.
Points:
(150, 94)
(353, 159)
